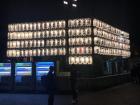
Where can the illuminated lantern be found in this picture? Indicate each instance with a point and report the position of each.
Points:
(30, 26)
(34, 52)
(72, 60)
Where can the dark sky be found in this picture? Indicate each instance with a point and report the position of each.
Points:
(120, 13)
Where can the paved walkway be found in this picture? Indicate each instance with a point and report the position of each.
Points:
(127, 94)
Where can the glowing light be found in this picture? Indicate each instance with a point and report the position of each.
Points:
(65, 2)
(74, 5)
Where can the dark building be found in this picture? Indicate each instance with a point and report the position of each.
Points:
(36, 32)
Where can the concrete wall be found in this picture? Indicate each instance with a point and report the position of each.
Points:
(94, 83)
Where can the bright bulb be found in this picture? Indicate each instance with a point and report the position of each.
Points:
(65, 2)
(74, 5)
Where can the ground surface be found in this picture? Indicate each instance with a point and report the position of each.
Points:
(126, 94)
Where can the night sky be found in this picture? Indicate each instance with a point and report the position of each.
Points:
(119, 13)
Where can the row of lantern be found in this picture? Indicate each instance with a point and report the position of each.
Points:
(107, 27)
(36, 43)
(37, 26)
(26, 44)
(106, 35)
(36, 34)
(79, 32)
(56, 42)
(80, 60)
(107, 43)
(80, 41)
(62, 24)
(79, 22)
(80, 50)
(36, 52)
(109, 51)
